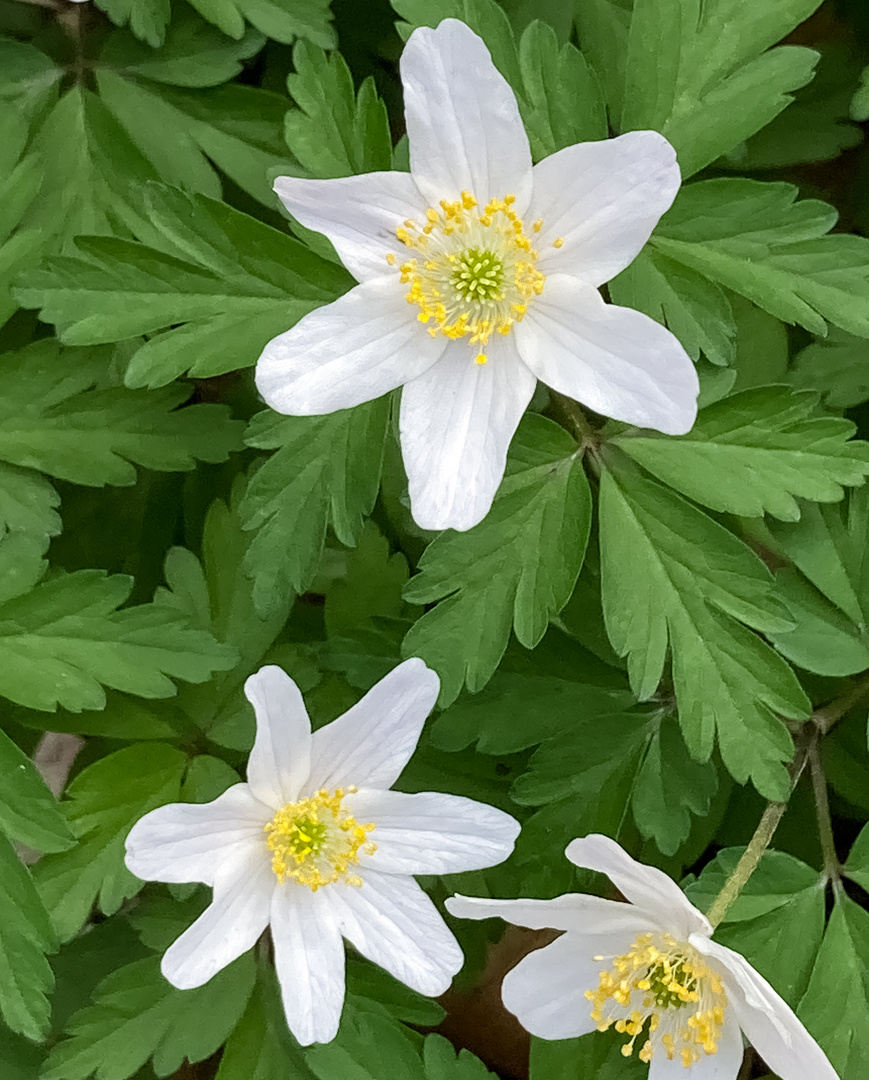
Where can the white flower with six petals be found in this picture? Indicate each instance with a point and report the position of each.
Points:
(649, 969)
(317, 847)
(476, 256)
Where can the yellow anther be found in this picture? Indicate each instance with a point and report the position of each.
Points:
(481, 358)
(558, 242)
(538, 225)
(391, 259)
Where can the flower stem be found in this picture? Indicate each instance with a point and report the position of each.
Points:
(832, 867)
(748, 863)
(574, 418)
(820, 723)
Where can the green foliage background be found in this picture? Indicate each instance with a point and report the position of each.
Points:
(648, 636)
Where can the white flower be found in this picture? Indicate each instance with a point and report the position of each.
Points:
(650, 969)
(316, 846)
(476, 256)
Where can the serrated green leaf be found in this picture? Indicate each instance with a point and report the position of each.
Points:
(28, 811)
(232, 281)
(837, 366)
(702, 76)
(104, 802)
(62, 641)
(20, 1059)
(670, 788)
(334, 131)
(752, 237)
(753, 452)
(369, 1044)
(516, 569)
(371, 586)
(762, 348)
(28, 503)
(697, 310)
(282, 20)
(138, 1016)
(561, 101)
(443, 1062)
(366, 981)
(55, 418)
(835, 1008)
(147, 19)
(326, 471)
(814, 127)
(25, 937)
(776, 922)
(28, 78)
(671, 575)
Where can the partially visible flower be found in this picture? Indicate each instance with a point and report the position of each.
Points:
(316, 846)
(649, 969)
(479, 275)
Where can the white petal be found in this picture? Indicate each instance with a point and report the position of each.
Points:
(372, 742)
(609, 925)
(228, 927)
(546, 989)
(432, 833)
(309, 960)
(356, 349)
(616, 360)
(650, 889)
(392, 922)
(359, 214)
(281, 757)
(723, 1065)
(603, 199)
(463, 122)
(456, 424)
(769, 1023)
(190, 841)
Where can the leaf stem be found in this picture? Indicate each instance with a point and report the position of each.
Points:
(574, 418)
(832, 866)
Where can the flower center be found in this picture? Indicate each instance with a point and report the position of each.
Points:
(316, 841)
(475, 271)
(664, 989)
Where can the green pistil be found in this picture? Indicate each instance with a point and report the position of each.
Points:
(660, 987)
(307, 836)
(479, 275)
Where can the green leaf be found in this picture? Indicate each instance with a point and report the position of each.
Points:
(27, 504)
(21, 177)
(368, 1046)
(753, 452)
(147, 19)
(702, 76)
(515, 711)
(54, 416)
(596, 1055)
(25, 937)
(672, 575)
(20, 1059)
(28, 811)
(326, 472)
(334, 131)
(370, 587)
(671, 787)
(561, 100)
(753, 238)
(138, 1016)
(105, 800)
(260, 1046)
(28, 78)
(443, 1062)
(282, 20)
(232, 281)
(857, 866)
(776, 922)
(517, 568)
(814, 127)
(837, 366)
(371, 983)
(62, 641)
(835, 1008)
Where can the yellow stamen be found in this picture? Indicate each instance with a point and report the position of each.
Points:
(558, 242)
(316, 840)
